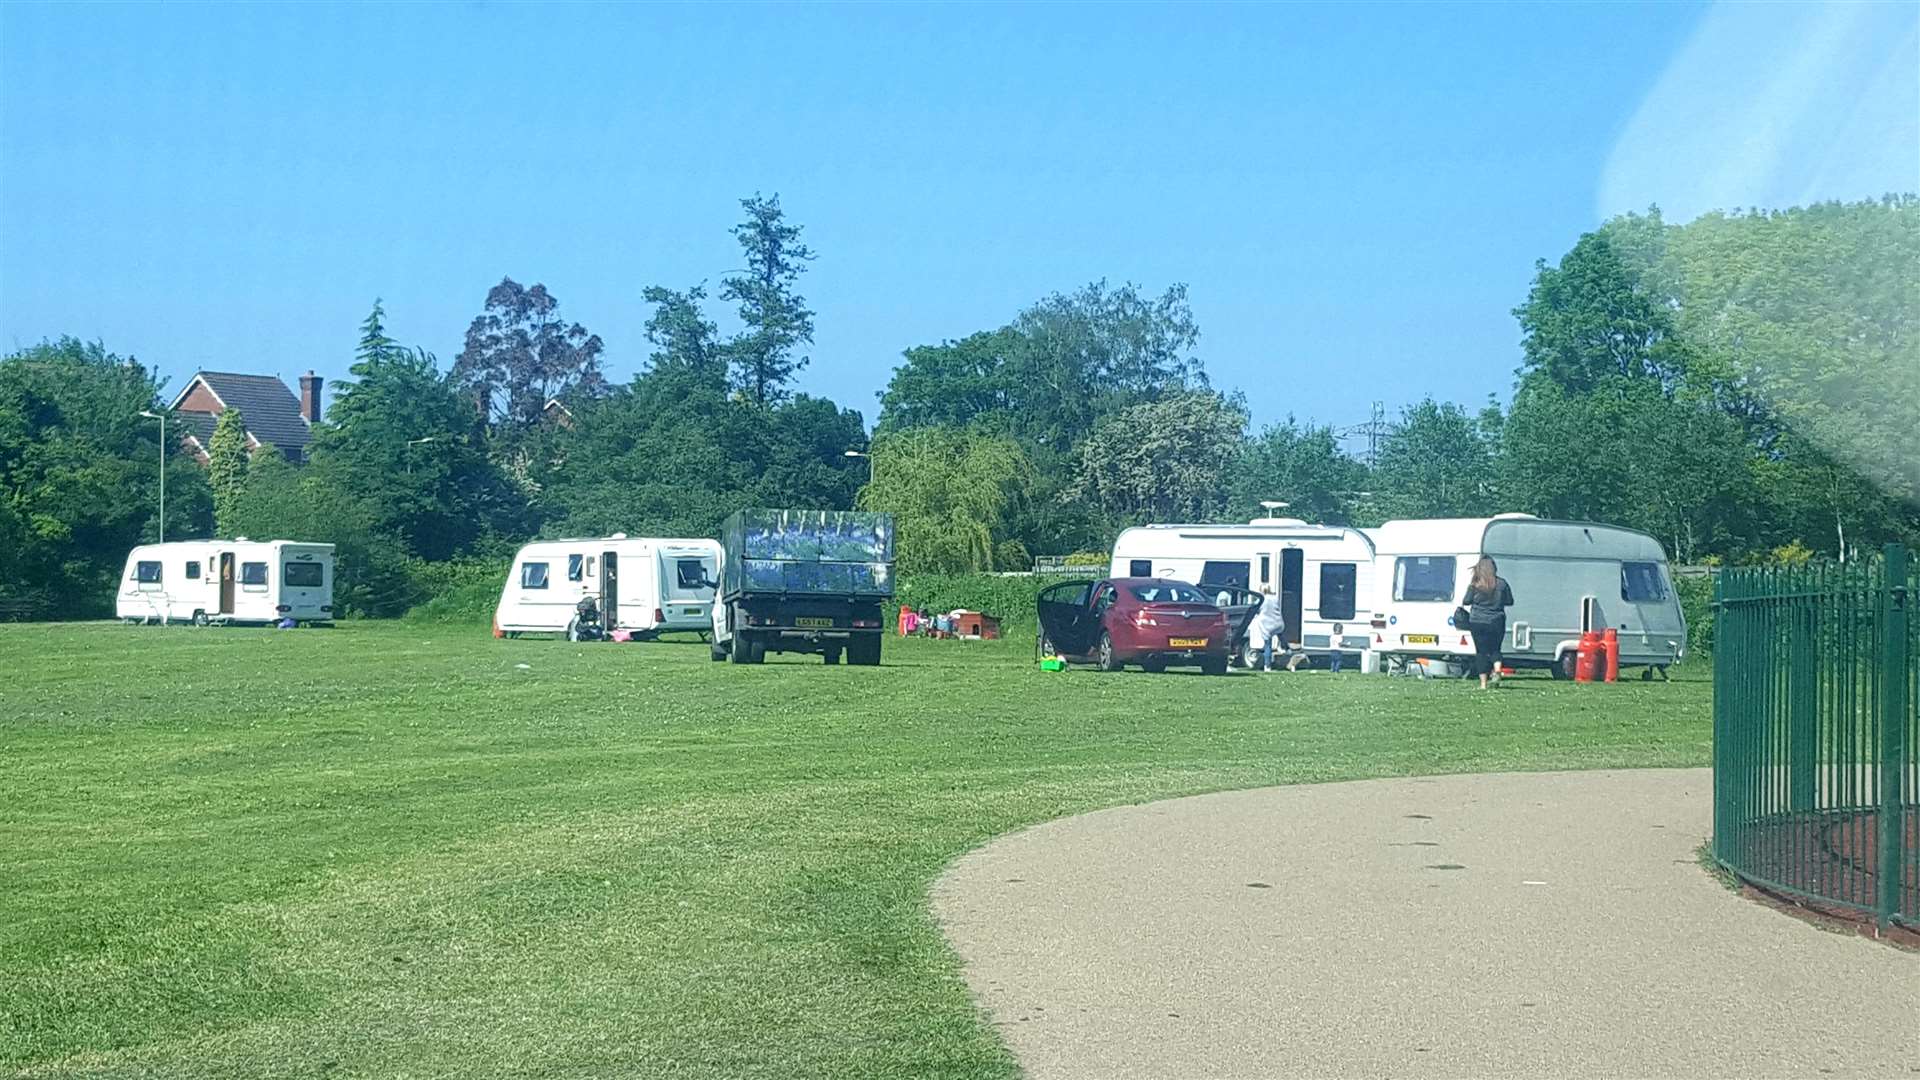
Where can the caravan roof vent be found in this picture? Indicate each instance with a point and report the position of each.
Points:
(239, 539)
(1512, 514)
(618, 536)
(1284, 522)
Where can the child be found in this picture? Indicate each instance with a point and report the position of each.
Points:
(1333, 661)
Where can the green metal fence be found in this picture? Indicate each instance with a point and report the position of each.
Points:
(1816, 735)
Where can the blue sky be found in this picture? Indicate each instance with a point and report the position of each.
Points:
(1355, 196)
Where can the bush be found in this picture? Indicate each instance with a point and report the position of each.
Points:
(1696, 602)
(1007, 598)
(459, 591)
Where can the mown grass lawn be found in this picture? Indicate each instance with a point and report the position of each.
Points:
(390, 850)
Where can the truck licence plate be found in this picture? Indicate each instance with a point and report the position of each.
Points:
(1187, 642)
(812, 620)
(1420, 639)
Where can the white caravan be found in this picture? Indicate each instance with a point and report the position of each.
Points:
(1322, 575)
(227, 581)
(1567, 576)
(643, 585)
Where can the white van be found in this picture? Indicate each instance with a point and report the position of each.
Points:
(227, 581)
(1321, 575)
(1567, 576)
(645, 585)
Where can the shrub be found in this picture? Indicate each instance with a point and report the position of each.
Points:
(1008, 598)
(457, 591)
(1696, 602)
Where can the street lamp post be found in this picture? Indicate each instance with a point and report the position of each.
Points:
(162, 417)
(869, 457)
(411, 443)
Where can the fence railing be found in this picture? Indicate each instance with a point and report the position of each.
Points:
(1816, 735)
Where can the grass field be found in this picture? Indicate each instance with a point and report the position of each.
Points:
(390, 850)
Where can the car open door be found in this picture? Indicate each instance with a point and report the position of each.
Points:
(1240, 605)
(1064, 617)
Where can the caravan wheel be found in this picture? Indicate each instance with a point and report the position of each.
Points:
(199, 618)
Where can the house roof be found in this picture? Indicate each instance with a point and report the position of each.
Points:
(271, 411)
(198, 424)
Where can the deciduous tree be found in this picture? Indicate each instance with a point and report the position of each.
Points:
(520, 354)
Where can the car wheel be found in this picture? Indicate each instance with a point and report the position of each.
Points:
(1153, 665)
(1215, 665)
(1109, 660)
(1046, 646)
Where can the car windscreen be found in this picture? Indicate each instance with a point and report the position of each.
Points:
(1169, 592)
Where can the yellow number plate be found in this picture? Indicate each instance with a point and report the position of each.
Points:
(812, 620)
(1420, 639)
(1187, 642)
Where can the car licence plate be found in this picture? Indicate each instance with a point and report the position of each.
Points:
(1187, 642)
(1420, 639)
(812, 620)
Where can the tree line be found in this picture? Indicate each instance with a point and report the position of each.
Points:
(1744, 386)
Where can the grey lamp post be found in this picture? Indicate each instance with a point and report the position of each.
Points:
(869, 457)
(411, 443)
(151, 415)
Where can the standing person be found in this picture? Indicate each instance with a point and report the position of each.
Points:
(1487, 600)
(1269, 623)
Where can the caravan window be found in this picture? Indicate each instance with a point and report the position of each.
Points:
(1337, 590)
(301, 575)
(1641, 583)
(533, 575)
(1140, 568)
(253, 573)
(576, 567)
(193, 571)
(147, 573)
(1423, 578)
(690, 573)
(1224, 573)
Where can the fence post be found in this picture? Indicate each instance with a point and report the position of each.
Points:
(1722, 731)
(1803, 703)
(1894, 644)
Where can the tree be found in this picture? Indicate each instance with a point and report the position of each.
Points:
(227, 459)
(398, 439)
(1062, 366)
(1589, 320)
(952, 495)
(683, 338)
(1436, 462)
(1301, 466)
(776, 318)
(520, 354)
(79, 469)
(1163, 460)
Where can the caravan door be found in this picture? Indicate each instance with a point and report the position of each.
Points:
(226, 583)
(610, 589)
(1281, 573)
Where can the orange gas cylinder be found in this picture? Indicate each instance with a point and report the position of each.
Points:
(1610, 643)
(497, 632)
(1589, 657)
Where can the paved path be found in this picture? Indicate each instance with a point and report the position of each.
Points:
(1549, 925)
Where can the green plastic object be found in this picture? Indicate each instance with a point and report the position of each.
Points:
(1052, 663)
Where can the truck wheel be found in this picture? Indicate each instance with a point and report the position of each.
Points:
(740, 650)
(1109, 660)
(830, 654)
(717, 652)
(759, 655)
(864, 650)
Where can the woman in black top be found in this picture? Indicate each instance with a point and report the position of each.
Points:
(1487, 600)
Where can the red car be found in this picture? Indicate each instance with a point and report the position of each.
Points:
(1152, 622)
